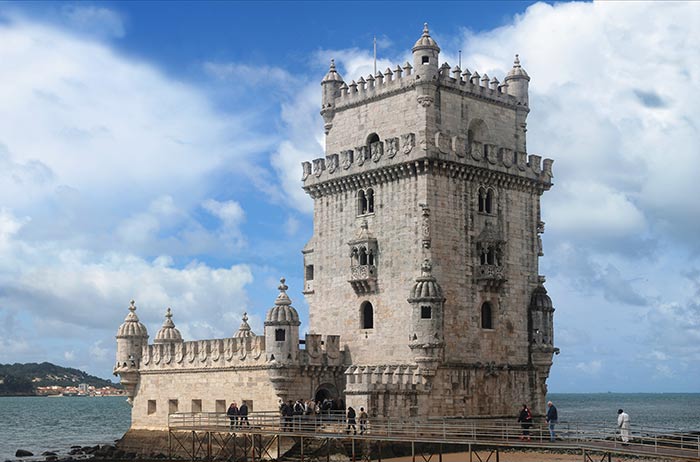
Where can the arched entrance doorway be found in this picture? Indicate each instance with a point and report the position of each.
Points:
(326, 391)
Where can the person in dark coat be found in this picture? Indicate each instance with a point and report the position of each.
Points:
(243, 414)
(525, 419)
(552, 418)
(351, 421)
(232, 414)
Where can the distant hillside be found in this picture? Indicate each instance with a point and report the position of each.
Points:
(22, 379)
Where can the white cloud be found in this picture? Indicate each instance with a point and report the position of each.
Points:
(591, 367)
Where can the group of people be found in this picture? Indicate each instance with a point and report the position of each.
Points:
(552, 417)
(298, 414)
(238, 415)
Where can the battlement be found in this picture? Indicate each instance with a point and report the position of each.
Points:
(398, 151)
(321, 350)
(403, 79)
(359, 379)
(204, 354)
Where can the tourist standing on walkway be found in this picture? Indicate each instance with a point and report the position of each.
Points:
(351, 421)
(525, 419)
(232, 414)
(363, 421)
(623, 423)
(552, 418)
(243, 414)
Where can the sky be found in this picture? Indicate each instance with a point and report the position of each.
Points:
(152, 151)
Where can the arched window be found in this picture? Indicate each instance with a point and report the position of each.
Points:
(370, 200)
(363, 256)
(482, 200)
(361, 202)
(279, 335)
(491, 257)
(483, 257)
(370, 258)
(372, 138)
(367, 313)
(488, 206)
(355, 256)
(486, 316)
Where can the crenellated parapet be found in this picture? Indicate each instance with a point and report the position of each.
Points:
(321, 350)
(204, 354)
(361, 165)
(361, 379)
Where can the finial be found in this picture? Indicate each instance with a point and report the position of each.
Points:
(245, 316)
(282, 287)
(332, 64)
(426, 32)
(516, 63)
(426, 267)
(132, 306)
(168, 313)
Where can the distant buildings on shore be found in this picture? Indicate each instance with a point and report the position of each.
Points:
(82, 389)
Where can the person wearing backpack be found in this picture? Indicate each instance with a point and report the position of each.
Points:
(363, 421)
(525, 419)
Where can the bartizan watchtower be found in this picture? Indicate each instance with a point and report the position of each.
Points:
(426, 241)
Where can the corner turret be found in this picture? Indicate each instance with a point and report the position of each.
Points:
(132, 336)
(331, 85)
(282, 329)
(168, 333)
(244, 331)
(425, 56)
(518, 82)
(427, 317)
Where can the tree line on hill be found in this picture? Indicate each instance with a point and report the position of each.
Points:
(22, 379)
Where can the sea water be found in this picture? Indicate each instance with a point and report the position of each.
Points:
(42, 424)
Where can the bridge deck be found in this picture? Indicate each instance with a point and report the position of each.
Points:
(495, 433)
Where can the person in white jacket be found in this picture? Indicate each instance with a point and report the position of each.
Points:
(623, 423)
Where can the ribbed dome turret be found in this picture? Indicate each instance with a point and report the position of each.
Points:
(282, 312)
(333, 75)
(517, 71)
(426, 286)
(425, 41)
(168, 333)
(244, 331)
(132, 327)
(540, 300)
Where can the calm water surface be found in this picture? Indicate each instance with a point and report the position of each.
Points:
(39, 424)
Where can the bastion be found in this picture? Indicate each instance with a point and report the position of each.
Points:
(421, 275)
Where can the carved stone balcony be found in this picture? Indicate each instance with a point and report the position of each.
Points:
(492, 276)
(363, 279)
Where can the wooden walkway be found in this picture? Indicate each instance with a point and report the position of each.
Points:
(212, 436)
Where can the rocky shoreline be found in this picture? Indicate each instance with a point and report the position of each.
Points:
(105, 452)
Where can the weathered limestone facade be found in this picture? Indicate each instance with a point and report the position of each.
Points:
(421, 275)
(427, 237)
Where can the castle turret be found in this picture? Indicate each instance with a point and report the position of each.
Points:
(331, 84)
(517, 83)
(132, 336)
(541, 333)
(168, 333)
(425, 56)
(427, 317)
(244, 331)
(282, 329)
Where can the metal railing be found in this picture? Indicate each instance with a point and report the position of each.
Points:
(498, 432)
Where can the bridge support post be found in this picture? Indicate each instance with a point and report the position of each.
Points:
(413, 451)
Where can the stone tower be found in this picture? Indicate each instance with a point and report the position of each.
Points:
(427, 237)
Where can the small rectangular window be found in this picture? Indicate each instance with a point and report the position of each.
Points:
(196, 405)
(426, 60)
(279, 335)
(151, 406)
(426, 312)
(221, 406)
(309, 272)
(172, 406)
